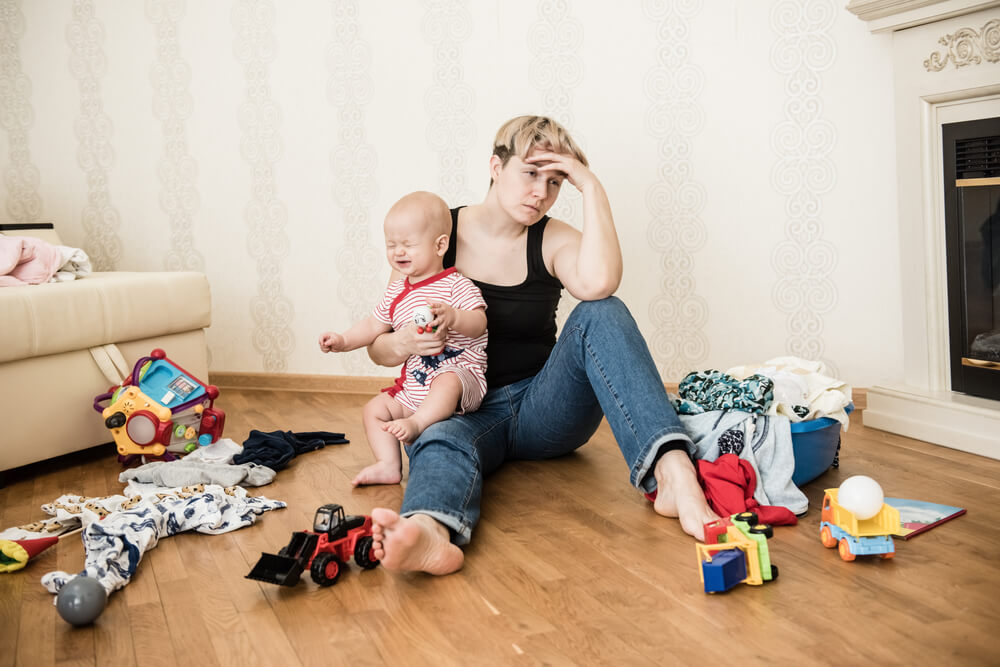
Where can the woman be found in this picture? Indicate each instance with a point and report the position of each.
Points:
(546, 397)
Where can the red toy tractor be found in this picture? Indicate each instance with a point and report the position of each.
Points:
(324, 550)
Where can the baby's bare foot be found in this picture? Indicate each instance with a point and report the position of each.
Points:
(406, 430)
(416, 543)
(380, 472)
(679, 494)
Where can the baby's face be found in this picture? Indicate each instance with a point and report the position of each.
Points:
(411, 245)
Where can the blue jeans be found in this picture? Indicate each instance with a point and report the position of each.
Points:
(600, 366)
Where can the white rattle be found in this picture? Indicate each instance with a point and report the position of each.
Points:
(422, 316)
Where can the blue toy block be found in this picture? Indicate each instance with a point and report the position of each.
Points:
(727, 568)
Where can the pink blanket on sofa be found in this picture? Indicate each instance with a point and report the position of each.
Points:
(27, 261)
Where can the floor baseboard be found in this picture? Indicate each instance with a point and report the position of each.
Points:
(334, 384)
(361, 384)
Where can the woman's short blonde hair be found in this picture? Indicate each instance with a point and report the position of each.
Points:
(519, 135)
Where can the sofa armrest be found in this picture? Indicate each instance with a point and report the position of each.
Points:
(45, 231)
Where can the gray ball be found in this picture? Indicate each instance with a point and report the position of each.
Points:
(81, 600)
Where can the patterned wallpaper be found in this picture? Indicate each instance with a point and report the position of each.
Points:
(95, 135)
(170, 76)
(676, 198)
(353, 160)
(450, 102)
(391, 97)
(16, 117)
(804, 172)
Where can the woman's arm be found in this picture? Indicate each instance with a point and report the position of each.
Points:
(392, 349)
(588, 264)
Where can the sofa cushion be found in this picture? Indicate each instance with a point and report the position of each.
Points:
(102, 308)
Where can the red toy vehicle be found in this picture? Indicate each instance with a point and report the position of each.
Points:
(324, 550)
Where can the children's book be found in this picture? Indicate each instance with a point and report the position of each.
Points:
(918, 516)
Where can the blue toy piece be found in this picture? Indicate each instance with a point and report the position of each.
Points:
(725, 570)
(876, 545)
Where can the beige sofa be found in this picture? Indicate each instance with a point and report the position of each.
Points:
(53, 335)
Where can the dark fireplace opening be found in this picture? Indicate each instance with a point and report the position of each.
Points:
(972, 245)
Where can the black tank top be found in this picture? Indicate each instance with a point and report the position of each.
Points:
(521, 319)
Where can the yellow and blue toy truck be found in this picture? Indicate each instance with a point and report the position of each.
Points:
(735, 552)
(839, 527)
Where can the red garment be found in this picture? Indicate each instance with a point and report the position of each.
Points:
(729, 483)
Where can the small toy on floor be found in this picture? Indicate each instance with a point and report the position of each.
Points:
(856, 519)
(159, 410)
(323, 551)
(735, 552)
(15, 554)
(81, 600)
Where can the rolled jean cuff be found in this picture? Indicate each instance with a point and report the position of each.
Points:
(461, 534)
(642, 477)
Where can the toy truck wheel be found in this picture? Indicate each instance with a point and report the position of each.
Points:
(774, 572)
(363, 553)
(326, 569)
(891, 554)
(825, 536)
(762, 529)
(845, 550)
(748, 517)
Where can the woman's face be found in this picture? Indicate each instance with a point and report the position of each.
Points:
(524, 192)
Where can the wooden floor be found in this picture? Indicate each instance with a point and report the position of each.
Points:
(569, 565)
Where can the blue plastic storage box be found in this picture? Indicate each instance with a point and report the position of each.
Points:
(814, 444)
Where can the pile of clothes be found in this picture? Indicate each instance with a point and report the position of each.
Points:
(789, 386)
(747, 411)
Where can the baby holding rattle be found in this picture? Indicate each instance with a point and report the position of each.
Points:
(421, 293)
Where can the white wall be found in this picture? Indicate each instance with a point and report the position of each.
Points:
(747, 149)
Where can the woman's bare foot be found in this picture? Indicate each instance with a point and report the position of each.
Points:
(679, 494)
(380, 472)
(416, 543)
(406, 430)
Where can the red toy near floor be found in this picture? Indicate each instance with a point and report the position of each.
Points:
(324, 550)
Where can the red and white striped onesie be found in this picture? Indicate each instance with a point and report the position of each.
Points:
(464, 356)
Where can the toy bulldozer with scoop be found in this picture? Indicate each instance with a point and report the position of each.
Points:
(324, 550)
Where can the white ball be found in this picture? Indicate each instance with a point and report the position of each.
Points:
(861, 495)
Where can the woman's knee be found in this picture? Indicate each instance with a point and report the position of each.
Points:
(449, 434)
(610, 311)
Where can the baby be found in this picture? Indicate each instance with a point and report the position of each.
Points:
(430, 388)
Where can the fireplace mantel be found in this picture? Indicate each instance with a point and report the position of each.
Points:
(890, 15)
(946, 68)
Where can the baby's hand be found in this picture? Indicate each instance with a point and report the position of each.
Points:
(444, 315)
(331, 341)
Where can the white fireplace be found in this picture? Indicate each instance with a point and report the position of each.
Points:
(946, 59)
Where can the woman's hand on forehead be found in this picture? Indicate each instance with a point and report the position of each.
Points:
(563, 164)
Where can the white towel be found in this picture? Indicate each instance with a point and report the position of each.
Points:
(75, 264)
(802, 382)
